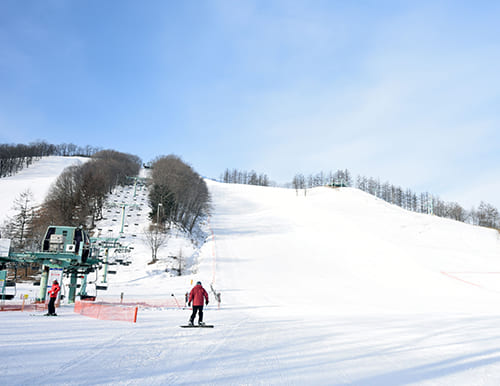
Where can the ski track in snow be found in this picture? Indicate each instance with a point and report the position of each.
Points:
(336, 288)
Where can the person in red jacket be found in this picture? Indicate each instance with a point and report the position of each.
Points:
(197, 296)
(54, 290)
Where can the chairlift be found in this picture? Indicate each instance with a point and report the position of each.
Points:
(88, 294)
(9, 290)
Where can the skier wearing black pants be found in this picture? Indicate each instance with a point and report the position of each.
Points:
(197, 296)
(54, 290)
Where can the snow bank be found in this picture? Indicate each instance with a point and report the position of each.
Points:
(38, 178)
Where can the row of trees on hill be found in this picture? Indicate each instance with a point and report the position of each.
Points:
(236, 176)
(485, 214)
(338, 178)
(15, 157)
(177, 194)
(76, 197)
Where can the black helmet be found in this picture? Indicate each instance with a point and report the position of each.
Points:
(198, 283)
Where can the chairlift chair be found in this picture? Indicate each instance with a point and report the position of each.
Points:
(9, 290)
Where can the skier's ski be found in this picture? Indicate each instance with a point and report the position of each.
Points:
(197, 326)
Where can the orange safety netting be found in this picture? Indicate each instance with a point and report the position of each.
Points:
(154, 303)
(108, 311)
(166, 302)
(17, 306)
(20, 307)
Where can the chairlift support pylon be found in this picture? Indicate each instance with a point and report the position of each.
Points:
(63, 247)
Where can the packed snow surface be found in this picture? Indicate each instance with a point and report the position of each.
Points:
(330, 288)
(37, 179)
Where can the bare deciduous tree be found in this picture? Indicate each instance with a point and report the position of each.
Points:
(179, 263)
(77, 196)
(18, 228)
(156, 236)
(299, 182)
(243, 177)
(182, 193)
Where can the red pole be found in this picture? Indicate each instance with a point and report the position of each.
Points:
(178, 305)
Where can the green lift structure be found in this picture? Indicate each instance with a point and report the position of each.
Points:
(67, 248)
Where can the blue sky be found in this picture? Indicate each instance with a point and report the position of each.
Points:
(405, 91)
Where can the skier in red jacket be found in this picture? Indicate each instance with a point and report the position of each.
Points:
(197, 296)
(54, 290)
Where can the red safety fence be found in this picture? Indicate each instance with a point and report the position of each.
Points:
(166, 302)
(107, 311)
(16, 306)
(20, 307)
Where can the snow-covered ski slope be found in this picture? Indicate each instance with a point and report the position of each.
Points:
(332, 288)
(37, 178)
(342, 250)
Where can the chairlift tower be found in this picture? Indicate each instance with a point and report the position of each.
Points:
(64, 248)
(141, 181)
(123, 207)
